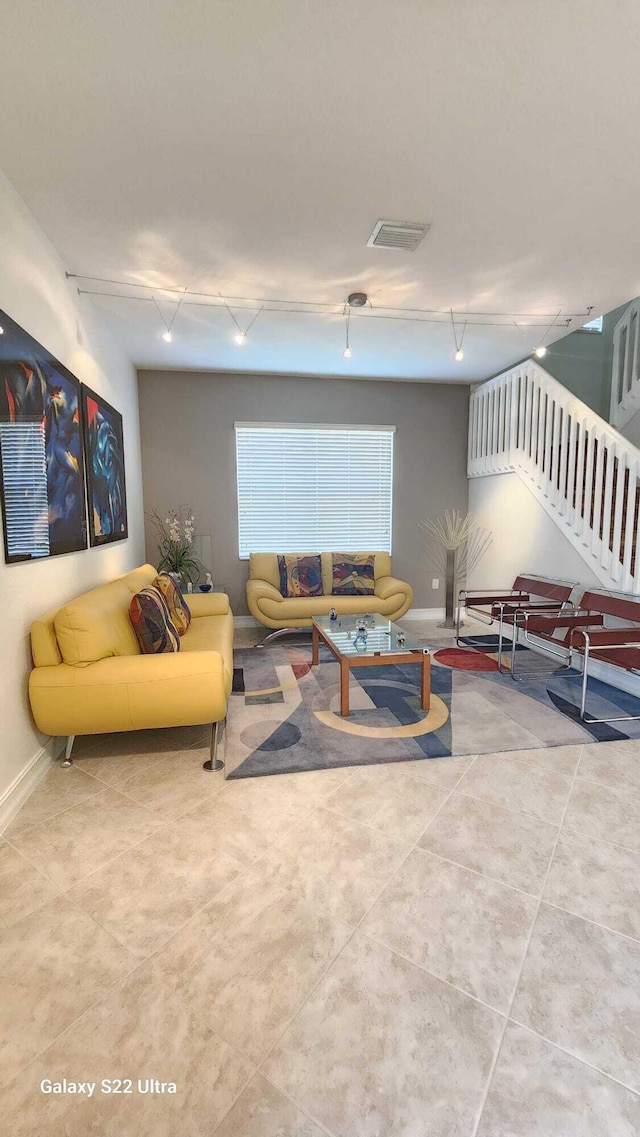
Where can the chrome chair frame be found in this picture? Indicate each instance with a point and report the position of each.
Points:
(585, 673)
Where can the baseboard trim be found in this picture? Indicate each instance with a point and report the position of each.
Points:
(425, 614)
(17, 793)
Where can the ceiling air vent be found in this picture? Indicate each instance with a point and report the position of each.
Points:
(405, 235)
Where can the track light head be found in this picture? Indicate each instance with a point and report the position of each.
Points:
(167, 337)
(459, 356)
(347, 353)
(540, 351)
(357, 299)
(240, 338)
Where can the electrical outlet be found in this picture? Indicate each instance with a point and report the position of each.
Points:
(435, 583)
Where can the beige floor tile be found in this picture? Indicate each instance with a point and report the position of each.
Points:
(249, 960)
(394, 801)
(383, 1047)
(510, 847)
(309, 788)
(146, 894)
(580, 989)
(262, 1111)
(514, 784)
(173, 786)
(125, 743)
(115, 768)
(615, 764)
(140, 1030)
(335, 863)
(538, 1091)
(444, 773)
(551, 759)
(246, 821)
(53, 965)
(188, 737)
(598, 881)
(22, 887)
(459, 925)
(80, 840)
(58, 790)
(605, 813)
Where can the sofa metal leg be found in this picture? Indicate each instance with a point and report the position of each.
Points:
(283, 632)
(217, 735)
(68, 761)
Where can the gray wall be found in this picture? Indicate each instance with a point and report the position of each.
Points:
(582, 363)
(188, 453)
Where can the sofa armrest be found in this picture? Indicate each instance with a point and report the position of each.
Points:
(129, 692)
(386, 586)
(208, 603)
(262, 590)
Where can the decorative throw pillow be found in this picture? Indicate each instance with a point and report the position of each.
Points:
(152, 623)
(300, 576)
(179, 611)
(352, 574)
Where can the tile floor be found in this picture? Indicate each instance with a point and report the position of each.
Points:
(447, 948)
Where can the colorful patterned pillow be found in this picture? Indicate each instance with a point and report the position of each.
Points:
(300, 576)
(167, 584)
(352, 574)
(152, 623)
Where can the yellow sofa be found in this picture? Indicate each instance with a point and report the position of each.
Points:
(391, 598)
(89, 676)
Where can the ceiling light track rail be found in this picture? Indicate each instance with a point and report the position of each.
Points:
(253, 302)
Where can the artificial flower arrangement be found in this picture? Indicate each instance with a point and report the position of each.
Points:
(175, 543)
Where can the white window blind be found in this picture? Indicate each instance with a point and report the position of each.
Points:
(24, 477)
(314, 488)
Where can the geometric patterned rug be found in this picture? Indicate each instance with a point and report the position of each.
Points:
(283, 715)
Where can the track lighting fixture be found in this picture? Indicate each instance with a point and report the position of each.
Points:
(347, 353)
(167, 334)
(459, 354)
(540, 351)
(1, 331)
(241, 336)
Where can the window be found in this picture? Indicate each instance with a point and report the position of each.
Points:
(314, 488)
(594, 325)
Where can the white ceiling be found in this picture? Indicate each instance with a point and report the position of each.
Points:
(248, 147)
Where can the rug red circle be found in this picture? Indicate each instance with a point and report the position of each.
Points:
(463, 660)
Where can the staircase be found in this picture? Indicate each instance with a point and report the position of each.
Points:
(581, 470)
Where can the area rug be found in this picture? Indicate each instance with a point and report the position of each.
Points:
(284, 715)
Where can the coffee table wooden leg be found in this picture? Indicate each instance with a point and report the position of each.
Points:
(315, 639)
(426, 683)
(344, 687)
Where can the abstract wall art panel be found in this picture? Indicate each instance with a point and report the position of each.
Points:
(104, 453)
(41, 453)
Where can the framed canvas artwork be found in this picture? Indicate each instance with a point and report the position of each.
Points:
(104, 456)
(41, 452)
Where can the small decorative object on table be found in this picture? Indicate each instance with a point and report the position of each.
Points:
(208, 583)
(361, 626)
(401, 639)
(333, 615)
(175, 543)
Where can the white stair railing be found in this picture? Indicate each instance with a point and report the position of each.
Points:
(625, 370)
(584, 473)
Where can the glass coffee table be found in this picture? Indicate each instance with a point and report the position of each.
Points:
(382, 642)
